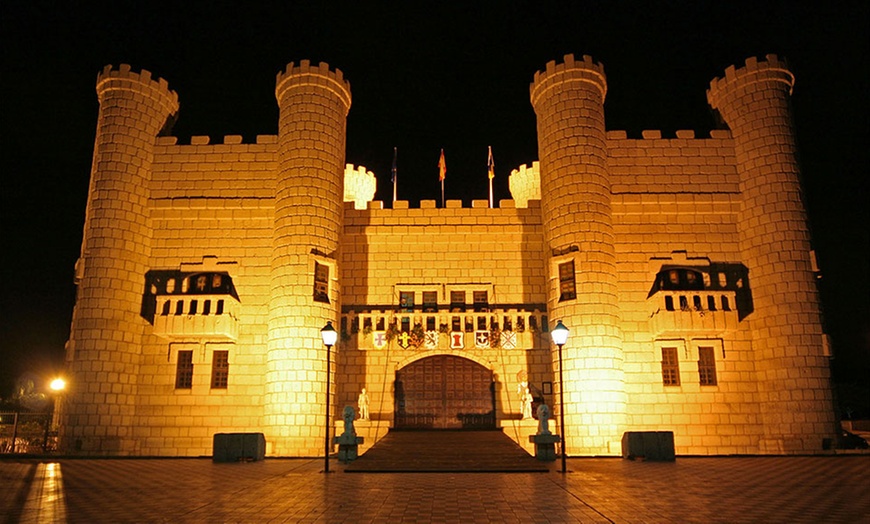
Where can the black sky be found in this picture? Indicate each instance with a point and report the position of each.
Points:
(424, 76)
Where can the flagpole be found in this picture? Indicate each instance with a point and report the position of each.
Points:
(395, 178)
(442, 173)
(490, 171)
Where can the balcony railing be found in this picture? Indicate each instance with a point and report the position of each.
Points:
(692, 312)
(508, 328)
(199, 317)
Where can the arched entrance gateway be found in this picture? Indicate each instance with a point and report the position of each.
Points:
(444, 392)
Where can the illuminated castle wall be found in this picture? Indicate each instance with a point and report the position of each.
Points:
(682, 267)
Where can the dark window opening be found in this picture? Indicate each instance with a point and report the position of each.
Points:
(669, 303)
(684, 303)
(670, 367)
(206, 307)
(545, 324)
(456, 324)
(406, 301)
(711, 303)
(567, 285)
(457, 301)
(430, 323)
(507, 323)
(726, 305)
(220, 369)
(406, 325)
(533, 323)
(481, 323)
(696, 301)
(166, 306)
(430, 301)
(193, 306)
(179, 307)
(321, 282)
(220, 308)
(521, 324)
(184, 370)
(469, 325)
(707, 366)
(481, 301)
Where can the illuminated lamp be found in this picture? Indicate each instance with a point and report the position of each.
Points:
(560, 336)
(329, 336)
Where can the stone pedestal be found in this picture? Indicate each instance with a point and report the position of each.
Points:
(348, 447)
(545, 446)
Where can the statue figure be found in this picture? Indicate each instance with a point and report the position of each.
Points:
(349, 415)
(543, 420)
(363, 404)
(526, 401)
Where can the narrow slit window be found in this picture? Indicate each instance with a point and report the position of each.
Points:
(220, 308)
(184, 370)
(711, 303)
(670, 367)
(193, 307)
(206, 307)
(567, 284)
(669, 303)
(179, 307)
(321, 282)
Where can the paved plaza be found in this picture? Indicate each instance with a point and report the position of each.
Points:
(738, 489)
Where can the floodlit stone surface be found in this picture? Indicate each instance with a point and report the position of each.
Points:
(194, 253)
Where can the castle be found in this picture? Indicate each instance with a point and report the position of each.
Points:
(681, 266)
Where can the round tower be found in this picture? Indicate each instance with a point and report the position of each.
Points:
(568, 99)
(313, 103)
(793, 371)
(105, 339)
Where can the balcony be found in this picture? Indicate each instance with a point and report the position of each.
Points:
(197, 317)
(507, 328)
(694, 313)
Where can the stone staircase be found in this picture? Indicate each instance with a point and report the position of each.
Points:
(446, 451)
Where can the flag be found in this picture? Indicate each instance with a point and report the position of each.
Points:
(394, 165)
(490, 165)
(442, 167)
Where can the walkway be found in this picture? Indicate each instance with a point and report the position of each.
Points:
(734, 490)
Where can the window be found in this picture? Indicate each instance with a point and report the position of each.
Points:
(670, 367)
(406, 300)
(206, 307)
(711, 303)
(457, 301)
(184, 370)
(321, 282)
(220, 307)
(481, 301)
(567, 288)
(220, 369)
(179, 307)
(166, 306)
(200, 282)
(193, 306)
(707, 366)
(430, 301)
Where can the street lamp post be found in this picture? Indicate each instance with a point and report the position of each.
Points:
(560, 336)
(56, 386)
(329, 336)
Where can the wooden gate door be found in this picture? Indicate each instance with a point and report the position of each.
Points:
(445, 392)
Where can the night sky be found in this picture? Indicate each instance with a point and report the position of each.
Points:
(424, 76)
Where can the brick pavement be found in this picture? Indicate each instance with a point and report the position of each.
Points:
(738, 489)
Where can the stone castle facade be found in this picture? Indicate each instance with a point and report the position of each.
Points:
(682, 267)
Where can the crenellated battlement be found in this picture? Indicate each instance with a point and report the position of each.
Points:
(525, 183)
(360, 185)
(303, 73)
(123, 78)
(585, 70)
(771, 69)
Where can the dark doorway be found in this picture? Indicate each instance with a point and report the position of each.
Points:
(445, 392)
